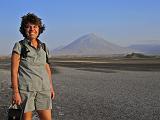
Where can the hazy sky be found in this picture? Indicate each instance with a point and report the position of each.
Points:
(123, 22)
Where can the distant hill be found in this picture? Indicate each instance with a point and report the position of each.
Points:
(138, 55)
(149, 49)
(91, 44)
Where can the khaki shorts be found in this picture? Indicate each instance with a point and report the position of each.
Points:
(36, 100)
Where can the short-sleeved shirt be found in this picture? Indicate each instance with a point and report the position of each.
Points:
(33, 75)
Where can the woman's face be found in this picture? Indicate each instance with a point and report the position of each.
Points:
(32, 31)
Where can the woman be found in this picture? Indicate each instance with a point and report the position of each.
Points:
(30, 71)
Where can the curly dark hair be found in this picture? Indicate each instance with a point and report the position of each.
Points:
(31, 18)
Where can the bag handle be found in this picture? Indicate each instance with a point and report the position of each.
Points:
(15, 106)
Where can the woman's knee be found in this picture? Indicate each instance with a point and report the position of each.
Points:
(45, 114)
(27, 116)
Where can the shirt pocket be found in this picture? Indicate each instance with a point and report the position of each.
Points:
(31, 56)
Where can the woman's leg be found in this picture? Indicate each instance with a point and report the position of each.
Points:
(27, 116)
(45, 114)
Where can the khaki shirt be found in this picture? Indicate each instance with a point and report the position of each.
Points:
(33, 75)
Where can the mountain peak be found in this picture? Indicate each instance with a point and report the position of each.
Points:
(92, 38)
(91, 34)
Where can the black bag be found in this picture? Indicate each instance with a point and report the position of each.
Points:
(15, 112)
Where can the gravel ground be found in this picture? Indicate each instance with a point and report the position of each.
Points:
(97, 95)
(118, 95)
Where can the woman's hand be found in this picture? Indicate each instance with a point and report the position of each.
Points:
(16, 98)
(52, 94)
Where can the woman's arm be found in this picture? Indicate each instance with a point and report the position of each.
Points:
(15, 59)
(50, 78)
